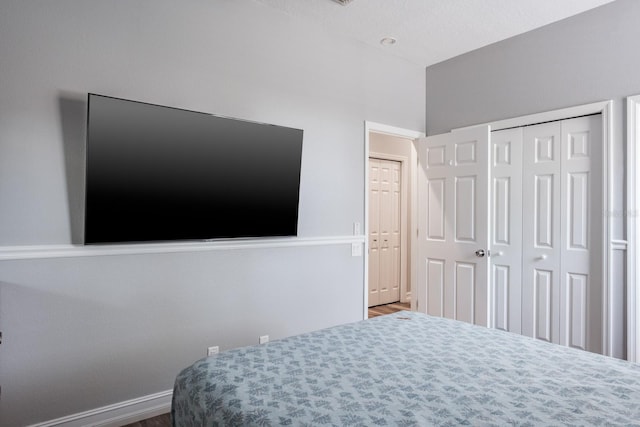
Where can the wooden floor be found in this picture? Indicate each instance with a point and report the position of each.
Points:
(165, 420)
(380, 310)
(159, 421)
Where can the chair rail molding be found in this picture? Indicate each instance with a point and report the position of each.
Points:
(8, 253)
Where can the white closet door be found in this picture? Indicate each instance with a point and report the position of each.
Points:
(374, 232)
(562, 199)
(389, 230)
(541, 231)
(384, 231)
(453, 210)
(580, 271)
(506, 230)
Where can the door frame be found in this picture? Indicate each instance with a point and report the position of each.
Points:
(373, 127)
(605, 108)
(404, 213)
(633, 228)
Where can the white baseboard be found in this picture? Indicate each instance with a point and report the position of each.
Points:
(118, 414)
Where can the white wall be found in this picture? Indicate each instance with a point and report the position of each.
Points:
(81, 332)
(586, 58)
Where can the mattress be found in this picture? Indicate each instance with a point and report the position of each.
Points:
(407, 369)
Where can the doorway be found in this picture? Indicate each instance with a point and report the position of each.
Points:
(390, 151)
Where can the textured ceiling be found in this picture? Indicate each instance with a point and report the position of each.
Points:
(430, 31)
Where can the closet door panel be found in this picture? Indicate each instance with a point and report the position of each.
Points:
(581, 273)
(374, 232)
(506, 230)
(385, 226)
(541, 222)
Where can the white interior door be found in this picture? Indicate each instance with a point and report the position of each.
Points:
(384, 231)
(453, 196)
(506, 230)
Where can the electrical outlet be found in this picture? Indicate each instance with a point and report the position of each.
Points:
(213, 350)
(263, 339)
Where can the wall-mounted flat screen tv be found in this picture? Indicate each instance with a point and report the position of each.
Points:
(157, 173)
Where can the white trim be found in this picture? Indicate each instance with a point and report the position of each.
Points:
(404, 221)
(65, 251)
(606, 109)
(619, 245)
(391, 130)
(118, 414)
(547, 116)
(403, 133)
(414, 223)
(607, 225)
(633, 230)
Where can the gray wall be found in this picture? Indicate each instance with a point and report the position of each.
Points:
(81, 332)
(586, 58)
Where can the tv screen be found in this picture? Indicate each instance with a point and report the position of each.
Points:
(157, 173)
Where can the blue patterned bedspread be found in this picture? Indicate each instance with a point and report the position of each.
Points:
(407, 369)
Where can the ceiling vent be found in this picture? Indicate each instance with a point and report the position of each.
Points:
(343, 2)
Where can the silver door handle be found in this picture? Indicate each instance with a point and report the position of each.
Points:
(480, 253)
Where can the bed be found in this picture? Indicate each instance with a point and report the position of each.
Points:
(407, 369)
